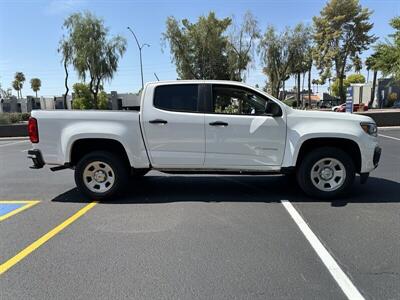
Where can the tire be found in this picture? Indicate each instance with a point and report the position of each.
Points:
(326, 173)
(101, 175)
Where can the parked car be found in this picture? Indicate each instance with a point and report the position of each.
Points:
(356, 107)
(205, 127)
(337, 107)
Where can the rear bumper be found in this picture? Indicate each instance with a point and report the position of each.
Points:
(37, 158)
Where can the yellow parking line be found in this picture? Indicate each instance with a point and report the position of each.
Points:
(32, 247)
(28, 204)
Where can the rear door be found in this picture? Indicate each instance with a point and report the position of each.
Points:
(238, 132)
(173, 122)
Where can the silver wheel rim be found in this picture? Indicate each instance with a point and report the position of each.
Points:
(98, 177)
(328, 174)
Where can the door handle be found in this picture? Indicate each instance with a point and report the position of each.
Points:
(158, 121)
(218, 123)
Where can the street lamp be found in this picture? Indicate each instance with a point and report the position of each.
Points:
(140, 52)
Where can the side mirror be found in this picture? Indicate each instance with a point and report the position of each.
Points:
(273, 109)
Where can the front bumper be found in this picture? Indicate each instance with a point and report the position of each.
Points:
(377, 156)
(37, 159)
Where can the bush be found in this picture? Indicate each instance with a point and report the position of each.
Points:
(83, 98)
(11, 118)
(391, 99)
(15, 117)
(25, 116)
(291, 103)
(4, 119)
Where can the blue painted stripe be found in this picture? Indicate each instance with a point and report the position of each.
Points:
(5, 208)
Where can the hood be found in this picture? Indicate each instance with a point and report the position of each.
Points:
(329, 115)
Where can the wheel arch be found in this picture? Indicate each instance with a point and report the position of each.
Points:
(81, 147)
(347, 145)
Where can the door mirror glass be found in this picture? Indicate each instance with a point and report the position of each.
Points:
(273, 109)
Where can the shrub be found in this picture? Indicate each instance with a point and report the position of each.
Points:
(11, 118)
(83, 99)
(15, 117)
(4, 119)
(391, 99)
(25, 116)
(291, 103)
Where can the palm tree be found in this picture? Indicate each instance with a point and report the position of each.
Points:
(372, 64)
(315, 82)
(36, 83)
(15, 85)
(20, 79)
(66, 51)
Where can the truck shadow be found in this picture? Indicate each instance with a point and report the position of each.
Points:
(268, 189)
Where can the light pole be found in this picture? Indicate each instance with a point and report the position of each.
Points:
(140, 52)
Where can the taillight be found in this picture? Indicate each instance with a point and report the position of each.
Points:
(33, 130)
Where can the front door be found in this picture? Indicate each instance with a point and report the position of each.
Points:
(238, 133)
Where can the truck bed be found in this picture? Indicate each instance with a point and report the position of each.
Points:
(60, 129)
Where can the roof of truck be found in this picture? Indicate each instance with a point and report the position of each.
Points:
(198, 81)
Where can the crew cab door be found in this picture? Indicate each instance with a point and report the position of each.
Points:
(173, 124)
(239, 133)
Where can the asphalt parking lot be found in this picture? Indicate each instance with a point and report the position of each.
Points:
(205, 237)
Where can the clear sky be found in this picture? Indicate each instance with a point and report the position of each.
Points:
(31, 29)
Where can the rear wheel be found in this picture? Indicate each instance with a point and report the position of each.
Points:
(100, 175)
(326, 173)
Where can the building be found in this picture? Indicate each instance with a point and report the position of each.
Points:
(24, 105)
(127, 101)
(387, 88)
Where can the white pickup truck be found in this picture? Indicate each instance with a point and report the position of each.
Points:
(216, 127)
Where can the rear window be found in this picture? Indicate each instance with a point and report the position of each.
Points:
(177, 97)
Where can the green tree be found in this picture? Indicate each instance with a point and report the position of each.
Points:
(18, 83)
(317, 82)
(66, 51)
(84, 99)
(241, 46)
(341, 34)
(276, 53)
(353, 78)
(94, 53)
(302, 54)
(200, 49)
(387, 54)
(36, 84)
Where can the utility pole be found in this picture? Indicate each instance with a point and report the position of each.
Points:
(140, 53)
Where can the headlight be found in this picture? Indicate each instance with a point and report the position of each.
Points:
(370, 128)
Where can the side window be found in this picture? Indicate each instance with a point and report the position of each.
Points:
(177, 97)
(234, 100)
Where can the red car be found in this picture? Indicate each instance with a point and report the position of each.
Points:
(356, 107)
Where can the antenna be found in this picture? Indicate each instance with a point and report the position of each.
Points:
(156, 77)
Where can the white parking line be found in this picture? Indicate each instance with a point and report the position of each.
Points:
(340, 277)
(13, 143)
(390, 137)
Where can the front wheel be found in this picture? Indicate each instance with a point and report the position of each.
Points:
(101, 175)
(326, 173)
